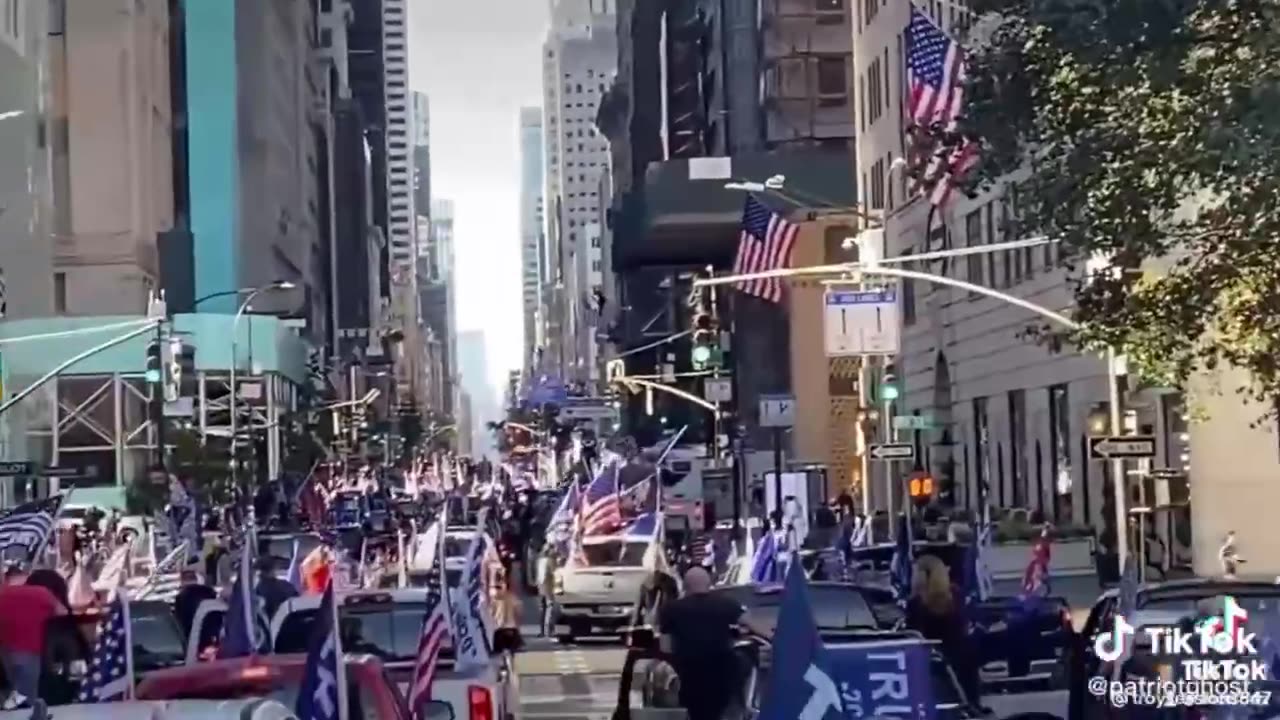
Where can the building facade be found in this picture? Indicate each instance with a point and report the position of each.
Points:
(436, 293)
(531, 227)
(477, 385)
(401, 219)
(579, 58)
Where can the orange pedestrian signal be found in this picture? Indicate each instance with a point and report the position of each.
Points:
(920, 488)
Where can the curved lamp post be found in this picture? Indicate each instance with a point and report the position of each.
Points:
(235, 361)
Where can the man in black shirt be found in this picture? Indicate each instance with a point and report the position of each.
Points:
(699, 631)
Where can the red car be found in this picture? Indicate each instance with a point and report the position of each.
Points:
(370, 693)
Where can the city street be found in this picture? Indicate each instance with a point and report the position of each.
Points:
(573, 682)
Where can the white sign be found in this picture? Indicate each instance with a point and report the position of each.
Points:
(588, 412)
(777, 411)
(863, 322)
(718, 390)
(912, 422)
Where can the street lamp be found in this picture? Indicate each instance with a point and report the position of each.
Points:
(235, 361)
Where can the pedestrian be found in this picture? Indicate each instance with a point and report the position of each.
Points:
(698, 632)
(658, 589)
(547, 563)
(932, 610)
(25, 609)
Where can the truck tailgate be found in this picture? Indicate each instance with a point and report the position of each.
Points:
(609, 585)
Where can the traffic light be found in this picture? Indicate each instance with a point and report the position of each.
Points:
(705, 341)
(155, 361)
(921, 488)
(173, 370)
(889, 390)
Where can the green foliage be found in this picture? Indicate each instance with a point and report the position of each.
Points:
(1151, 129)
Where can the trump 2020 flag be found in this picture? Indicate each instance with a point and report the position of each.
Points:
(245, 629)
(323, 693)
(801, 686)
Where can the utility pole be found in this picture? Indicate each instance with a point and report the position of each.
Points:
(157, 401)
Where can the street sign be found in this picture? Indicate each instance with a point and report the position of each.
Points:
(863, 322)
(1102, 447)
(587, 409)
(69, 472)
(912, 422)
(718, 390)
(892, 451)
(15, 468)
(777, 411)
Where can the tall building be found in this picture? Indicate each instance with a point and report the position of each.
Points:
(105, 225)
(421, 173)
(400, 215)
(579, 57)
(531, 226)
(436, 294)
(255, 160)
(26, 255)
(477, 384)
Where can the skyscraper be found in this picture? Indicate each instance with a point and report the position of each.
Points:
(531, 232)
(400, 214)
(579, 57)
(473, 358)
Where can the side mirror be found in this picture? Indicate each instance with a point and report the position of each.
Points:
(507, 640)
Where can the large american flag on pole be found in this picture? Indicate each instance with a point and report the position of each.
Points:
(435, 632)
(601, 512)
(765, 244)
(936, 72)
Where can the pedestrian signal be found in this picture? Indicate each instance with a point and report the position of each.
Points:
(921, 488)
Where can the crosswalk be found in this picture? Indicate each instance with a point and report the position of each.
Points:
(569, 684)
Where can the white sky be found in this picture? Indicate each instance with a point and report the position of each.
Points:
(479, 62)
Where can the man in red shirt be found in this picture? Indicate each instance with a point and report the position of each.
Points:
(24, 610)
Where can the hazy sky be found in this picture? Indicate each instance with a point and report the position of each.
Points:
(479, 62)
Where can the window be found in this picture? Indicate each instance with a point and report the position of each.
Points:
(982, 450)
(875, 104)
(862, 103)
(877, 185)
(595, 266)
(60, 293)
(1060, 449)
(885, 89)
(831, 77)
(992, 258)
(973, 238)
(1017, 446)
(908, 297)
(595, 241)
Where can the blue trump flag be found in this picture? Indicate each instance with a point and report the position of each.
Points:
(887, 679)
(801, 685)
(322, 692)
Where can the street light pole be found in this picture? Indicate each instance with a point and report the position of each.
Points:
(235, 361)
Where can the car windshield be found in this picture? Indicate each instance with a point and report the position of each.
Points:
(615, 554)
(157, 639)
(280, 547)
(388, 631)
(834, 607)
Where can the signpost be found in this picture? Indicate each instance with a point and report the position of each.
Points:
(718, 390)
(17, 468)
(862, 322)
(912, 422)
(587, 409)
(777, 412)
(1104, 447)
(892, 451)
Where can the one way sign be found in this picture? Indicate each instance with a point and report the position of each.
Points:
(1122, 446)
(892, 451)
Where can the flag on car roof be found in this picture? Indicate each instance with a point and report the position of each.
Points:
(802, 684)
(323, 691)
(764, 564)
(435, 632)
(28, 526)
(601, 512)
(764, 244)
(166, 577)
(110, 675)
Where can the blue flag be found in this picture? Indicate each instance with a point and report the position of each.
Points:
(320, 694)
(890, 679)
(764, 565)
(245, 630)
(801, 684)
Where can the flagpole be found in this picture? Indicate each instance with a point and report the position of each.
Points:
(129, 690)
(340, 658)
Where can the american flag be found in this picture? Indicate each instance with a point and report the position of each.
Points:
(27, 527)
(435, 630)
(936, 72)
(601, 506)
(110, 675)
(765, 244)
(166, 577)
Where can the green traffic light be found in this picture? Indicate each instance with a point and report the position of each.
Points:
(889, 392)
(152, 376)
(701, 355)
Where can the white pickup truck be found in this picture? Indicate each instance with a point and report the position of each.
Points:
(387, 624)
(599, 596)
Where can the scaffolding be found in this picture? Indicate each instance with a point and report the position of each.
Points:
(807, 52)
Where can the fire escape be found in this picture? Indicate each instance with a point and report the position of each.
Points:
(687, 34)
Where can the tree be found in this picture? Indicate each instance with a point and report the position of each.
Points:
(206, 470)
(1151, 130)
